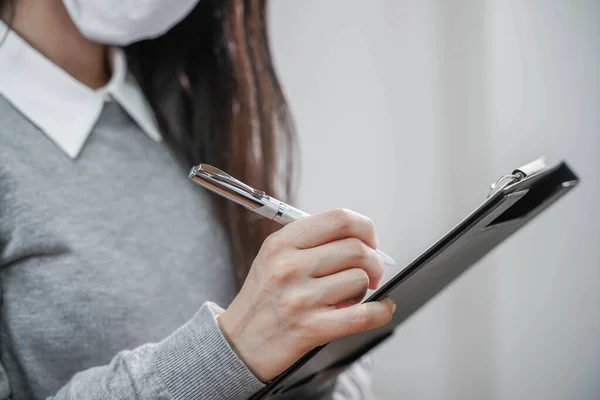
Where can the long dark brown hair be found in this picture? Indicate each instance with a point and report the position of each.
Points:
(211, 83)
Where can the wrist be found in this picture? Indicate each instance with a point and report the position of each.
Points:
(228, 329)
(198, 353)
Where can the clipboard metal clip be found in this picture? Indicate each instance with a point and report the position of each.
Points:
(517, 175)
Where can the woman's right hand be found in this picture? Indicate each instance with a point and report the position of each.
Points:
(302, 290)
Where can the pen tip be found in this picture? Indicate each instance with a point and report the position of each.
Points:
(387, 260)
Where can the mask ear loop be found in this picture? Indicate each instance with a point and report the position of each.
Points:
(107, 64)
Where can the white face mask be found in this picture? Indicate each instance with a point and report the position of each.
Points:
(122, 22)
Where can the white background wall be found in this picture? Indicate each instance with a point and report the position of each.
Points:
(407, 110)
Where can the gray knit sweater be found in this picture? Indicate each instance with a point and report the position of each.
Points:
(107, 264)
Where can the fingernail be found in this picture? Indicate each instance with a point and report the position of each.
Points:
(391, 302)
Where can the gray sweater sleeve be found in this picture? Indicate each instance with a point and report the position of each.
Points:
(195, 362)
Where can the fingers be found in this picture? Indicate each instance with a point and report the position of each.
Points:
(329, 226)
(341, 322)
(348, 285)
(340, 255)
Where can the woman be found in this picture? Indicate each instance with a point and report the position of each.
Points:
(109, 256)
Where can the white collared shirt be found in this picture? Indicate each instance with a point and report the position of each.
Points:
(63, 108)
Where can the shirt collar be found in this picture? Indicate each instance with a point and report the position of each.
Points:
(63, 108)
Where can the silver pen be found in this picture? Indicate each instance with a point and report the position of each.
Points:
(254, 200)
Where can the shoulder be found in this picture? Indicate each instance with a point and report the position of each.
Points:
(14, 126)
(10, 117)
(20, 142)
(11, 121)
(11, 124)
(20, 139)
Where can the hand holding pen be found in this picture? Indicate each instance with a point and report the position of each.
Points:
(302, 289)
(254, 200)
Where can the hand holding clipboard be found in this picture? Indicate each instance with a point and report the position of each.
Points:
(514, 200)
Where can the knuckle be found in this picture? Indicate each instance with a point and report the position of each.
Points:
(280, 275)
(272, 245)
(342, 217)
(286, 307)
(293, 265)
(370, 225)
(303, 299)
(284, 269)
(291, 305)
(360, 251)
(285, 313)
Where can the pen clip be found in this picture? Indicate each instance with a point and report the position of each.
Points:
(215, 174)
(518, 174)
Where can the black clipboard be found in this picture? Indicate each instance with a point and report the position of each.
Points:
(514, 200)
